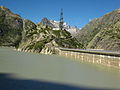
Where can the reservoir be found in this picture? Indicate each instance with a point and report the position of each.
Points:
(32, 71)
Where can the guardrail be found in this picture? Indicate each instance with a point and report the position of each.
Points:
(98, 52)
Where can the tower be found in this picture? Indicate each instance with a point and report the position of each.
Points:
(61, 20)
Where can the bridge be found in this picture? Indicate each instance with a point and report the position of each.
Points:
(106, 58)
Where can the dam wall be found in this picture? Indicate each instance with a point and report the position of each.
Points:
(109, 59)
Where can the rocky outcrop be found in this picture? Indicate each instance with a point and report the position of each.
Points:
(11, 26)
(46, 40)
(102, 33)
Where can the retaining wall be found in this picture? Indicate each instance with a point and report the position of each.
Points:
(110, 59)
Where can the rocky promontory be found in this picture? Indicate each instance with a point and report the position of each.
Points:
(42, 39)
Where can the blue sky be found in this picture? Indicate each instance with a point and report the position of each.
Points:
(76, 12)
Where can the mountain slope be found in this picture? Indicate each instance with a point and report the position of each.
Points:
(11, 26)
(87, 33)
(102, 33)
(44, 40)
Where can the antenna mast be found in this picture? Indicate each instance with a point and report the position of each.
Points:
(61, 20)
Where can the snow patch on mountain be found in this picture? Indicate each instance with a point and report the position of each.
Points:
(72, 30)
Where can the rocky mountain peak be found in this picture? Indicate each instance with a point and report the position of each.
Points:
(55, 25)
(46, 22)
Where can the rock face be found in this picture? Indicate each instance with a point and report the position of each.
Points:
(46, 22)
(11, 26)
(102, 33)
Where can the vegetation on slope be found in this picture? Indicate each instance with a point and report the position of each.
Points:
(102, 33)
(10, 28)
(43, 39)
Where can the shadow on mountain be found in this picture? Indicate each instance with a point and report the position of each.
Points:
(7, 83)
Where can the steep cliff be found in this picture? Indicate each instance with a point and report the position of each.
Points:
(102, 33)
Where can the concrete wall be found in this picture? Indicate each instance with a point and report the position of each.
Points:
(106, 60)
